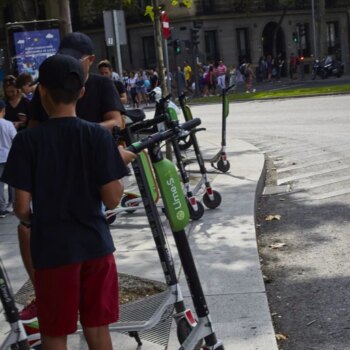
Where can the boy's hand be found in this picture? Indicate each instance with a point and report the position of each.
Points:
(127, 156)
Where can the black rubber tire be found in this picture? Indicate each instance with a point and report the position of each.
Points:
(196, 215)
(123, 203)
(183, 330)
(222, 166)
(212, 204)
(185, 143)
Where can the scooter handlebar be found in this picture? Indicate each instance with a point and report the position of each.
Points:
(148, 123)
(149, 141)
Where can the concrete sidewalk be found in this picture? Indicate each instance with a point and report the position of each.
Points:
(224, 246)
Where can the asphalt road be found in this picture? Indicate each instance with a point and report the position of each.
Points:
(308, 146)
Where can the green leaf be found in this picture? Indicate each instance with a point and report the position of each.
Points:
(149, 12)
(187, 3)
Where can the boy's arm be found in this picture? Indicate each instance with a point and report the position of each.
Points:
(22, 205)
(111, 193)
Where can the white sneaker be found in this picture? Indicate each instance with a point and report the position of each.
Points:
(9, 208)
(254, 90)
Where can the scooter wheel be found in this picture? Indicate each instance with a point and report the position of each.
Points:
(196, 214)
(212, 203)
(124, 203)
(222, 166)
(185, 143)
(183, 331)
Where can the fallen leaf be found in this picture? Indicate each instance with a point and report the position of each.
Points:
(272, 217)
(281, 336)
(277, 245)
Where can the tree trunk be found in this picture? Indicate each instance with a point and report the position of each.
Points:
(158, 39)
(159, 47)
(64, 16)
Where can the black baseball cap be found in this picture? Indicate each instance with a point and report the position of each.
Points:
(76, 44)
(56, 72)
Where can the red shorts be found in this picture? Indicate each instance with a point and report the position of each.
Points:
(89, 288)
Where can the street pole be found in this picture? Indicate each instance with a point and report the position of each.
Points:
(166, 58)
(117, 42)
(314, 28)
(65, 17)
(160, 60)
(195, 69)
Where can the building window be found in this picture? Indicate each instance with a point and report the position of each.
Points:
(243, 45)
(333, 41)
(208, 6)
(211, 48)
(149, 52)
(304, 37)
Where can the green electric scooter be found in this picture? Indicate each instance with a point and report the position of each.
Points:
(219, 160)
(177, 212)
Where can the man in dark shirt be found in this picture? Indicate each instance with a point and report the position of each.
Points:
(67, 167)
(100, 103)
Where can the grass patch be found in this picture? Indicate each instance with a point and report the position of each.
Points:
(283, 93)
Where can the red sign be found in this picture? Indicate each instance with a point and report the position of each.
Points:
(164, 18)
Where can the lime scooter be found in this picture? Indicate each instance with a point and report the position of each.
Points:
(178, 215)
(211, 198)
(183, 316)
(164, 108)
(220, 158)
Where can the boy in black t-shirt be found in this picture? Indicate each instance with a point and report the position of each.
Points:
(68, 166)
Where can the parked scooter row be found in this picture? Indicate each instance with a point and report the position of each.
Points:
(166, 115)
(327, 67)
(193, 333)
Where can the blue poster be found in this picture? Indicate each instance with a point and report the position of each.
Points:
(33, 47)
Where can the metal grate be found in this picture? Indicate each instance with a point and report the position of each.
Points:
(140, 310)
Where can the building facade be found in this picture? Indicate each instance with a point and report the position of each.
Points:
(231, 30)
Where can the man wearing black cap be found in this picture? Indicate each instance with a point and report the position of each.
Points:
(66, 166)
(100, 102)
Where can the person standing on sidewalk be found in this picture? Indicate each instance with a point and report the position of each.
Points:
(99, 104)
(67, 178)
(188, 76)
(221, 75)
(7, 134)
(105, 68)
(249, 78)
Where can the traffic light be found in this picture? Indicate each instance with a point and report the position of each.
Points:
(295, 37)
(195, 36)
(177, 46)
